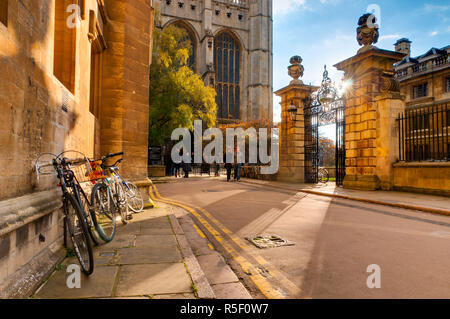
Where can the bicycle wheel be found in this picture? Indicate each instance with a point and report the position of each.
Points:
(88, 213)
(79, 235)
(105, 212)
(122, 202)
(134, 198)
(323, 176)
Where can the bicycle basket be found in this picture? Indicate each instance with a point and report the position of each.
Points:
(82, 171)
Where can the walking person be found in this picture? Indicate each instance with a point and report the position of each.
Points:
(228, 165)
(237, 167)
(186, 168)
(217, 170)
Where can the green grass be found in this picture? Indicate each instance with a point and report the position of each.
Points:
(194, 288)
(59, 267)
(70, 252)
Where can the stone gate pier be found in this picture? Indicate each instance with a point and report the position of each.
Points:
(373, 102)
(292, 126)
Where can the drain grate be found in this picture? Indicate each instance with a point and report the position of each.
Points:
(269, 241)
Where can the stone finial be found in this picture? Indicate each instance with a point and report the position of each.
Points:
(296, 69)
(367, 31)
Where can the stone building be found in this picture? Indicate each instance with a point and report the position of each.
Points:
(424, 159)
(425, 79)
(74, 77)
(232, 51)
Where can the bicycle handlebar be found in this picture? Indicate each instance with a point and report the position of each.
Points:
(112, 155)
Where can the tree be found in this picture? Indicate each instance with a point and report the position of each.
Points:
(178, 96)
(327, 151)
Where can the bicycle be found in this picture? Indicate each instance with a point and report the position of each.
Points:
(324, 176)
(110, 191)
(75, 218)
(134, 198)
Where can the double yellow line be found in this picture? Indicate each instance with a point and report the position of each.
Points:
(254, 273)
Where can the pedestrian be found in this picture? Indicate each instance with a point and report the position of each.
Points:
(237, 171)
(186, 169)
(177, 170)
(228, 165)
(237, 167)
(217, 169)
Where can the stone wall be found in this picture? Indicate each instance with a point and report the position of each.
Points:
(46, 110)
(433, 178)
(372, 103)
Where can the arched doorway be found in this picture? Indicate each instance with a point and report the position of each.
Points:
(325, 107)
(227, 57)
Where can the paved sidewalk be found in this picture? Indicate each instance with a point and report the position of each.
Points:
(224, 282)
(423, 202)
(149, 258)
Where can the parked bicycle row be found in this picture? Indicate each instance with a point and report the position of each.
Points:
(95, 198)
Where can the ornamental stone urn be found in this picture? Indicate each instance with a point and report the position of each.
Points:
(367, 32)
(296, 69)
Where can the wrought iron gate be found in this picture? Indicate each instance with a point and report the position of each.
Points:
(340, 144)
(325, 107)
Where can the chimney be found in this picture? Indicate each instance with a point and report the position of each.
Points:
(403, 46)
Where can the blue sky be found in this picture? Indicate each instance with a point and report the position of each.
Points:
(324, 32)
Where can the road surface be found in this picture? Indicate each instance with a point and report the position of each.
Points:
(335, 242)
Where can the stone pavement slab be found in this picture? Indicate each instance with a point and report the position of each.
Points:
(99, 284)
(155, 241)
(138, 280)
(157, 231)
(175, 296)
(154, 255)
(120, 241)
(234, 290)
(216, 269)
(227, 285)
(145, 259)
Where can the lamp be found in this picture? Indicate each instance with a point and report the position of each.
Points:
(292, 110)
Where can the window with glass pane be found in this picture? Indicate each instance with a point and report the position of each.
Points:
(226, 64)
(420, 90)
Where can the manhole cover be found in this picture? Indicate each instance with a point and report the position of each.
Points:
(269, 241)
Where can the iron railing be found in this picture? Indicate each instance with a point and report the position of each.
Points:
(424, 134)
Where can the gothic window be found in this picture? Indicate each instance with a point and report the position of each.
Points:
(188, 36)
(227, 66)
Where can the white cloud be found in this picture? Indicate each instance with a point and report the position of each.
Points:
(390, 37)
(434, 33)
(433, 7)
(284, 6)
